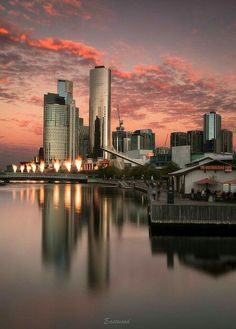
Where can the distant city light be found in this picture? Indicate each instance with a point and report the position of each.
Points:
(56, 165)
(41, 166)
(78, 164)
(14, 168)
(28, 167)
(68, 165)
(33, 166)
(22, 168)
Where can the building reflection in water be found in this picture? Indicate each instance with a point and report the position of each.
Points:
(214, 256)
(69, 208)
(60, 225)
(98, 240)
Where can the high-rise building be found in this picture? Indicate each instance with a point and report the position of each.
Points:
(60, 124)
(212, 132)
(100, 107)
(65, 89)
(227, 141)
(55, 132)
(143, 139)
(195, 140)
(178, 139)
(121, 139)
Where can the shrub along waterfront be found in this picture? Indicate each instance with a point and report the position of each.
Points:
(138, 172)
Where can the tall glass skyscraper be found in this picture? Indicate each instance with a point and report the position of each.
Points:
(61, 119)
(212, 132)
(65, 89)
(99, 108)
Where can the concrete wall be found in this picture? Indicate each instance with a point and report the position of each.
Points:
(181, 155)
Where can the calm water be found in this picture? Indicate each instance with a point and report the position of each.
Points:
(73, 256)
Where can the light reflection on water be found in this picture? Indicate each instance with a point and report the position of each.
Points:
(73, 255)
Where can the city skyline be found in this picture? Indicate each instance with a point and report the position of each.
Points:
(166, 72)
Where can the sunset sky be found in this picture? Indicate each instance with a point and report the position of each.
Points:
(172, 61)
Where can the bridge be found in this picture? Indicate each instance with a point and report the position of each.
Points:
(122, 156)
(46, 177)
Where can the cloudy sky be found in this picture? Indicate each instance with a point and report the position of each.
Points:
(172, 61)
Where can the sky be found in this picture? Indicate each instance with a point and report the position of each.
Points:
(171, 60)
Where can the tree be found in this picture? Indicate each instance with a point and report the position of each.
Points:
(169, 168)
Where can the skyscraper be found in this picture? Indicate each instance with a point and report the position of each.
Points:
(55, 128)
(61, 118)
(143, 139)
(178, 139)
(227, 141)
(212, 132)
(65, 89)
(100, 106)
(195, 140)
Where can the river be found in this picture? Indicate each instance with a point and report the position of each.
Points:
(81, 256)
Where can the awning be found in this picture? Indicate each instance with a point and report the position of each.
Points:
(209, 181)
(232, 181)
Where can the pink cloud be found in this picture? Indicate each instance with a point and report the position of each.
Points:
(50, 10)
(74, 48)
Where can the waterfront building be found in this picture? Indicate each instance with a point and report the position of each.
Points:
(100, 108)
(213, 171)
(227, 141)
(143, 139)
(212, 132)
(195, 140)
(178, 138)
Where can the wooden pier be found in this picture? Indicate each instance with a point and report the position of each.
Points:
(188, 217)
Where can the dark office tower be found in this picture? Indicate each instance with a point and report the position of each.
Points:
(41, 154)
(227, 141)
(97, 151)
(195, 140)
(143, 139)
(100, 105)
(212, 132)
(178, 139)
(83, 139)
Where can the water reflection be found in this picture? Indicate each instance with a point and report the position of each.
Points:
(69, 209)
(98, 241)
(211, 255)
(60, 226)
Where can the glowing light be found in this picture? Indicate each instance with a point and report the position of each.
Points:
(78, 164)
(56, 196)
(67, 196)
(22, 168)
(78, 198)
(41, 166)
(33, 166)
(68, 165)
(28, 168)
(41, 196)
(56, 165)
(14, 167)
